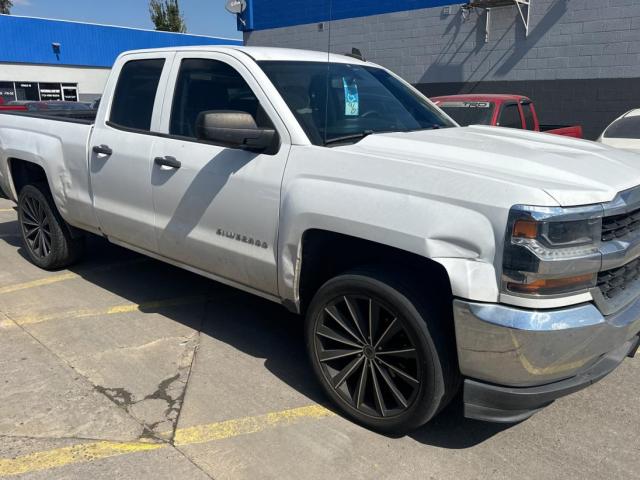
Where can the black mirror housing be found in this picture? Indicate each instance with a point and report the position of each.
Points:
(234, 129)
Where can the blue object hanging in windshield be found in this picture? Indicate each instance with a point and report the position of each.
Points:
(351, 99)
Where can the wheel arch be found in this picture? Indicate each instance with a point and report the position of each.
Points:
(322, 253)
(24, 172)
(325, 254)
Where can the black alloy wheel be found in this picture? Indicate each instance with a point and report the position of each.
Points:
(36, 226)
(382, 346)
(47, 239)
(367, 355)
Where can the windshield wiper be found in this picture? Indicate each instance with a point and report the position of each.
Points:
(346, 138)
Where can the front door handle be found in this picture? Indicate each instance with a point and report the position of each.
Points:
(168, 162)
(102, 149)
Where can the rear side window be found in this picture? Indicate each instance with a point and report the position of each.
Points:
(135, 94)
(510, 116)
(204, 85)
(528, 116)
(628, 127)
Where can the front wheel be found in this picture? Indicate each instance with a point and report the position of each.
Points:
(381, 353)
(45, 235)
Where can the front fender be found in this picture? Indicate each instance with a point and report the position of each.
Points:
(457, 237)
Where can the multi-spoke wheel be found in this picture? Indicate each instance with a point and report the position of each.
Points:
(374, 353)
(36, 227)
(46, 236)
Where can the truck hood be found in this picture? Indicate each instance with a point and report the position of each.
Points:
(573, 172)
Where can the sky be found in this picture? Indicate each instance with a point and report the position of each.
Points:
(203, 17)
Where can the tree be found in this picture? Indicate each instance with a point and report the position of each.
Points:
(166, 16)
(5, 7)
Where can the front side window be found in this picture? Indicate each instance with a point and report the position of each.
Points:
(332, 101)
(510, 116)
(469, 113)
(204, 85)
(135, 94)
(627, 127)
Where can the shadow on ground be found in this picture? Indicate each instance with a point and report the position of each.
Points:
(248, 323)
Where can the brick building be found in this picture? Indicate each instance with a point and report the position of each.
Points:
(578, 59)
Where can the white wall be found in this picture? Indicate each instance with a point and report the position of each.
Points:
(91, 81)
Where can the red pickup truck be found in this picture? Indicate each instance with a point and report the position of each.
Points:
(514, 111)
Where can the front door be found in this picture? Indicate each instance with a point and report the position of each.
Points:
(218, 212)
(120, 153)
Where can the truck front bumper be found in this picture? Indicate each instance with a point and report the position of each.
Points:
(518, 361)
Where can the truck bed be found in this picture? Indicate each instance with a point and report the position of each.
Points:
(87, 117)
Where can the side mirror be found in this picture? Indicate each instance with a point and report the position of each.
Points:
(234, 129)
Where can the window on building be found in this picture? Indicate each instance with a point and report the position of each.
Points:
(50, 92)
(7, 92)
(529, 119)
(135, 94)
(205, 85)
(27, 91)
(510, 116)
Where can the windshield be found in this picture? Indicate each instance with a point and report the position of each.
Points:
(335, 100)
(469, 113)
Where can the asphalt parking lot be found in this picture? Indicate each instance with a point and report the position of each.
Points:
(123, 367)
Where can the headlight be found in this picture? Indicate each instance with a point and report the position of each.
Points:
(552, 251)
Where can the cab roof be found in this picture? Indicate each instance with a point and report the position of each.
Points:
(262, 53)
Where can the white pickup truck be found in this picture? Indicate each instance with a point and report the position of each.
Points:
(426, 257)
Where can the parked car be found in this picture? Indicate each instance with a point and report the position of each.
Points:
(624, 132)
(425, 257)
(33, 106)
(513, 111)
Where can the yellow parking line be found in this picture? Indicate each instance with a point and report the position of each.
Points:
(7, 210)
(88, 452)
(60, 457)
(127, 308)
(38, 283)
(247, 425)
(66, 276)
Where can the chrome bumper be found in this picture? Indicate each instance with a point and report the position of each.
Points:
(514, 347)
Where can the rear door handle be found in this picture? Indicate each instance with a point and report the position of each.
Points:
(168, 162)
(102, 149)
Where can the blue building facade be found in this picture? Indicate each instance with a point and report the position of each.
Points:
(43, 59)
(31, 40)
(579, 60)
(265, 14)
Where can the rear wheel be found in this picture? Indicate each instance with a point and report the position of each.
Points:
(380, 353)
(45, 235)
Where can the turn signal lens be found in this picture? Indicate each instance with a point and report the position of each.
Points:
(550, 286)
(525, 229)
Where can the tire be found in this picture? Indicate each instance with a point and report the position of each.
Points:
(415, 352)
(46, 237)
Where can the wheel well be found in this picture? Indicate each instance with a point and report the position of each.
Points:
(25, 173)
(327, 254)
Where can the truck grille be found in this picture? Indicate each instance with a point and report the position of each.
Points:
(614, 282)
(619, 226)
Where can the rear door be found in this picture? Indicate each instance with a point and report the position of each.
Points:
(120, 150)
(218, 211)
